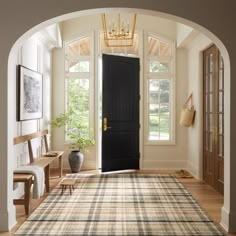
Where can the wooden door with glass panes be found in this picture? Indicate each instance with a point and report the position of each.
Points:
(213, 78)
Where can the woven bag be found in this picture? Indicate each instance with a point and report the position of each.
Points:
(187, 113)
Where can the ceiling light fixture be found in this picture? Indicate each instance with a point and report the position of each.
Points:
(118, 31)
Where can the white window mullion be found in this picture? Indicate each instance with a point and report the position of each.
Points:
(79, 75)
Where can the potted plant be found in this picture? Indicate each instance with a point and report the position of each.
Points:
(78, 136)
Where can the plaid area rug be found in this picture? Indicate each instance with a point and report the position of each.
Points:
(120, 204)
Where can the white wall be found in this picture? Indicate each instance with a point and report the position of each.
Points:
(153, 157)
(58, 99)
(30, 57)
(195, 85)
(71, 30)
(172, 156)
(34, 54)
(183, 32)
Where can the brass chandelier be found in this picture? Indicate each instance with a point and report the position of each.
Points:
(118, 32)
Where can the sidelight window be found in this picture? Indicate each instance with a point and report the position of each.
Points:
(78, 80)
(159, 88)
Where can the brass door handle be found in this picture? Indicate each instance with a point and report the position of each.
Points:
(105, 127)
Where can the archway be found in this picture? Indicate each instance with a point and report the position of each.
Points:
(179, 19)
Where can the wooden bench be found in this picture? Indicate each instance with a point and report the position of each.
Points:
(43, 161)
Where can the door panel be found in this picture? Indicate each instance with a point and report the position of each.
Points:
(120, 135)
(213, 119)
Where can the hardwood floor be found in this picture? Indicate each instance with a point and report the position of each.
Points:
(210, 201)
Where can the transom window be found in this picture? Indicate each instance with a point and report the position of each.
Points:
(159, 89)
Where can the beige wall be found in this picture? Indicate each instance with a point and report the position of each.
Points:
(195, 85)
(172, 156)
(34, 54)
(19, 20)
(183, 34)
(152, 156)
(58, 101)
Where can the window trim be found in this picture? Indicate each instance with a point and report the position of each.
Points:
(82, 75)
(159, 75)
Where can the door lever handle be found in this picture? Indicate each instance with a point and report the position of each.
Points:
(105, 127)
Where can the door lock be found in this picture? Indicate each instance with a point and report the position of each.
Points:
(105, 127)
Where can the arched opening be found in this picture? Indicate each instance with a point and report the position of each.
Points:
(214, 39)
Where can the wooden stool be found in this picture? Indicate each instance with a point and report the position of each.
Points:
(67, 182)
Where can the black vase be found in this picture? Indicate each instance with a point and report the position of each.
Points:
(75, 160)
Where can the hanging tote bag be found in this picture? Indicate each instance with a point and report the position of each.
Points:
(187, 113)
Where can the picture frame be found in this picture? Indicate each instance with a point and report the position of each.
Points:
(30, 94)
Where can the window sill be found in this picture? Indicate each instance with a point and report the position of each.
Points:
(159, 143)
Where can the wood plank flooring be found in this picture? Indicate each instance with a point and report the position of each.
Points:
(210, 201)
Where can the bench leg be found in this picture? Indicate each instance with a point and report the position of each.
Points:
(47, 176)
(27, 195)
(62, 189)
(60, 166)
(70, 189)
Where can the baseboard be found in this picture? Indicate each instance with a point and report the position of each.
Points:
(163, 165)
(7, 220)
(228, 220)
(193, 170)
(224, 219)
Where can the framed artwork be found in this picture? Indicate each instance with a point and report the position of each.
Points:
(30, 94)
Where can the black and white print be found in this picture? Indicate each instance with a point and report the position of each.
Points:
(30, 94)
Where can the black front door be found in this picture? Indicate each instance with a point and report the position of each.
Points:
(120, 116)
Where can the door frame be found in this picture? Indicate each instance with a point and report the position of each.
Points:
(213, 179)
